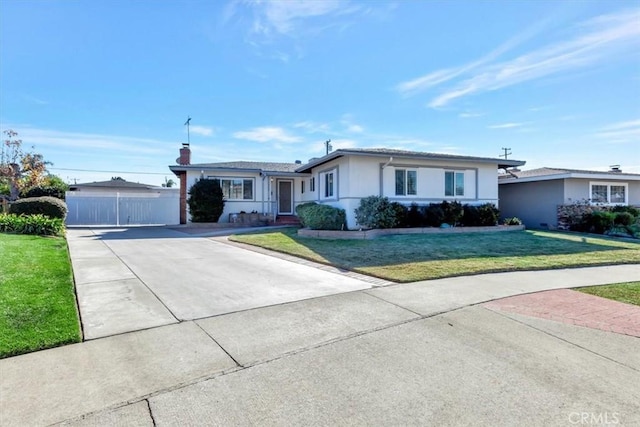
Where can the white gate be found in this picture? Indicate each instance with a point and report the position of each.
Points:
(123, 209)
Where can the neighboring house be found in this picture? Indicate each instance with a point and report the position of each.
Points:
(534, 195)
(342, 178)
(119, 202)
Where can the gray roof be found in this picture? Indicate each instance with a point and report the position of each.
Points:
(113, 183)
(389, 152)
(245, 166)
(546, 173)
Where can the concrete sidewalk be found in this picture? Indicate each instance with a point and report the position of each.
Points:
(410, 354)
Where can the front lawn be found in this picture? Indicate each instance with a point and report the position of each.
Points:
(408, 258)
(37, 300)
(623, 292)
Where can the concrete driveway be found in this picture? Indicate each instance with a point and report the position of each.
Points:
(139, 278)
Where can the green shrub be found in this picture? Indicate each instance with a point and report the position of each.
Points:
(452, 211)
(513, 221)
(635, 212)
(489, 214)
(414, 216)
(401, 213)
(322, 217)
(31, 224)
(45, 205)
(597, 222)
(376, 212)
(206, 201)
(301, 209)
(433, 215)
(57, 192)
(623, 218)
(471, 216)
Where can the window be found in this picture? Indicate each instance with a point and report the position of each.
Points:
(618, 194)
(312, 184)
(606, 193)
(328, 184)
(236, 188)
(302, 186)
(453, 183)
(406, 182)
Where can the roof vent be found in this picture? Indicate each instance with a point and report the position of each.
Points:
(615, 169)
(298, 162)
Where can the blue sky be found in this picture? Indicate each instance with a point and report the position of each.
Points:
(107, 85)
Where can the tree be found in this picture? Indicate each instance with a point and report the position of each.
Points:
(168, 182)
(206, 201)
(52, 185)
(19, 170)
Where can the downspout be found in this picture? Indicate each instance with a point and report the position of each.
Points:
(381, 193)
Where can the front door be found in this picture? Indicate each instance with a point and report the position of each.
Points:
(285, 197)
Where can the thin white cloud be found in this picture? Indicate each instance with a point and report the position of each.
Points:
(621, 133)
(468, 115)
(112, 143)
(286, 17)
(313, 127)
(623, 125)
(435, 78)
(350, 125)
(597, 41)
(267, 134)
(505, 126)
(201, 130)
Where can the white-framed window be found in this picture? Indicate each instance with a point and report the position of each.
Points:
(453, 183)
(406, 182)
(609, 193)
(312, 184)
(302, 186)
(236, 188)
(328, 184)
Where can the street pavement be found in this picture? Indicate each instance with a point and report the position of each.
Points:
(345, 352)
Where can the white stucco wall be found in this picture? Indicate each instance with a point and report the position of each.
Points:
(362, 176)
(264, 192)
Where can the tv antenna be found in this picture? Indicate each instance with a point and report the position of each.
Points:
(187, 123)
(507, 152)
(328, 145)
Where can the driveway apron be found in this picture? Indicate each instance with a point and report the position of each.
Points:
(133, 279)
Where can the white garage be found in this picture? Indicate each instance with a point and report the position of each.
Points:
(121, 203)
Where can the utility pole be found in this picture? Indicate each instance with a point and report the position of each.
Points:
(507, 152)
(328, 146)
(187, 123)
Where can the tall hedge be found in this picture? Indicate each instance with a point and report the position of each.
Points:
(322, 217)
(206, 201)
(48, 206)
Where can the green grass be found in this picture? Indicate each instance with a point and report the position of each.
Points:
(623, 292)
(408, 258)
(37, 300)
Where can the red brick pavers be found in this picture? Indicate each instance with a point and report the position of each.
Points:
(576, 308)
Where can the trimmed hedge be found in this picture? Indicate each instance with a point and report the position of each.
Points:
(301, 209)
(321, 217)
(376, 212)
(31, 224)
(41, 191)
(48, 206)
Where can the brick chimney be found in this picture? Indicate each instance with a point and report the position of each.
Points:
(185, 155)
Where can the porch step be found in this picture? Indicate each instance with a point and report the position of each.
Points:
(287, 220)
